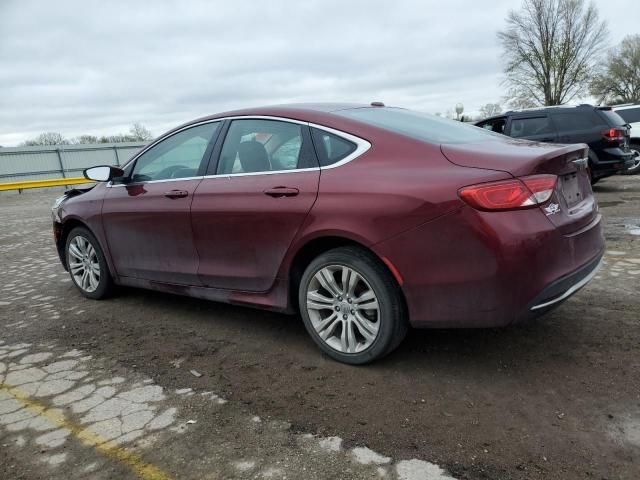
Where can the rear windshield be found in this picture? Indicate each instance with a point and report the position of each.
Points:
(613, 119)
(421, 126)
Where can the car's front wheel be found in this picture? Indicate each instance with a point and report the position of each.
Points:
(87, 265)
(352, 306)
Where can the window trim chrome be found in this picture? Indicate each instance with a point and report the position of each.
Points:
(362, 146)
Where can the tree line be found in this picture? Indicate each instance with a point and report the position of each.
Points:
(556, 50)
(137, 133)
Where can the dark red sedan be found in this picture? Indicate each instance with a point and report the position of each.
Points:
(364, 219)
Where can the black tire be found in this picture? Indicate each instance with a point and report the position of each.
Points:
(636, 168)
(592, 158)
(393, 324)
(105, 283)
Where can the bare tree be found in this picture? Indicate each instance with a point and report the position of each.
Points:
(85, 139)
(619, 82)
(490, 109)
(551, 47)
(139, 132)
(48, 138)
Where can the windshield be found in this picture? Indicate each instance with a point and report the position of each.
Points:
(417, 125)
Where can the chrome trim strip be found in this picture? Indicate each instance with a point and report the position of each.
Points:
(571, 290)
(164, 180)
(581, 162)
(362, 146)
(269, 172)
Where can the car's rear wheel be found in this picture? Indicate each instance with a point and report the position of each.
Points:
(635, 168)
(87, 265)
(593, 158)
(352, 306)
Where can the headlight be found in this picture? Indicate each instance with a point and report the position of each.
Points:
(58, 201)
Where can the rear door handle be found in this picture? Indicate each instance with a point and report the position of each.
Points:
(282, 192)
(176, 194)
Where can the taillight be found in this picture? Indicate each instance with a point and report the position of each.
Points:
(524, 192)
(614, 134)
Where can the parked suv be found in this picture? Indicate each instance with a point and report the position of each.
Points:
(631, 115)
(606, 133)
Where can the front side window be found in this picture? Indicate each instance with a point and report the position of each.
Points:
(178, 156)
(256, 145)
(528, 127)
(331, 148)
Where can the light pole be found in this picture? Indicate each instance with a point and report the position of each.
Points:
(459, 110)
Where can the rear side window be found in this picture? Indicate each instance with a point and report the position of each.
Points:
(584, 120)
(630, 115)
(613, 119)
(256, 145)
(528, 127)
(331, 148)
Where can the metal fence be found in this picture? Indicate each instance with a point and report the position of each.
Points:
(61, 161)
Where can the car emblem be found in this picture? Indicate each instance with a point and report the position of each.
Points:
(552, 209)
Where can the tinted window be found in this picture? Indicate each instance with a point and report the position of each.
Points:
(630, 115)
(263, 145)
(331, 148)
(613, 119)
(420, 126)
(579, 120)
(527, 127)
(497, 125)
(178, 156)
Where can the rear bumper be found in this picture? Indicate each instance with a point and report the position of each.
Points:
(563, 288)
(611, 161)
(475, 269)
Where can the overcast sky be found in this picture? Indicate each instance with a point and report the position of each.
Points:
(96, 67)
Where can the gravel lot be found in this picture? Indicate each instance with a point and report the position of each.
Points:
(153, 386)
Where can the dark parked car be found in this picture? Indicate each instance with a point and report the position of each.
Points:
(365, 220)
(606, 133)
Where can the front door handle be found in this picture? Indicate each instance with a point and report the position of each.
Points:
(176, 194)
(278, 192)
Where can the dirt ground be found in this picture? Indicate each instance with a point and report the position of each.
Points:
(106, 389)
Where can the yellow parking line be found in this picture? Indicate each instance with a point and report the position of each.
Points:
(107, 448)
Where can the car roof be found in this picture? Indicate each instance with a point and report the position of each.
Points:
(626, 106)
(316, 113)
(307, 112)
(546, 109)
(288, 110)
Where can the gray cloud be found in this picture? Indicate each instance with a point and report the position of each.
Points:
(96, 67)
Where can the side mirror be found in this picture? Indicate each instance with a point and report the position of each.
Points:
(102, 173)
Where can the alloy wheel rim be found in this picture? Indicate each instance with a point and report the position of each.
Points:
(84, 264)
(636, 163)
(343, 309)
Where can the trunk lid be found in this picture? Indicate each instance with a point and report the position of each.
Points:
(572, 206)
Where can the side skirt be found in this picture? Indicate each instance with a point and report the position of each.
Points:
(275, 299)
